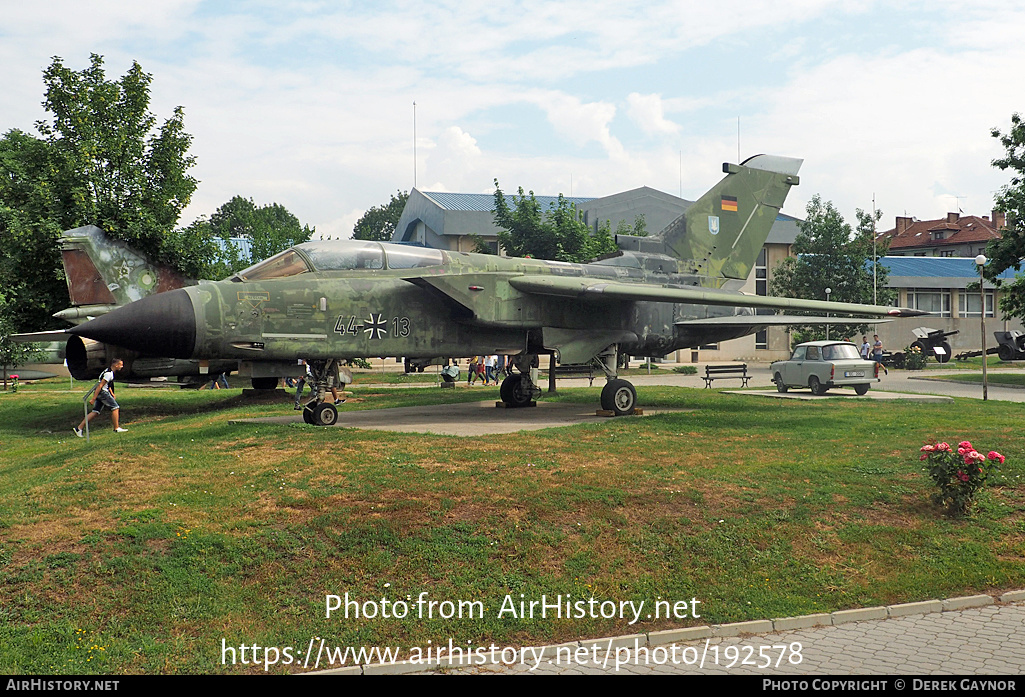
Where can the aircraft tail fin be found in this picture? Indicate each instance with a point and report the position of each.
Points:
(103, 273)
(724, 230)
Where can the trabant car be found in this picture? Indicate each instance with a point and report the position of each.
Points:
(821, 365)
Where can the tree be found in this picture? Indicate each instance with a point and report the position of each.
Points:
(1009, 251)
(99, 162)
(30, 226)
(559, 234)
(112, 170)
(638, 229)
(269, 229)
(11, 354)
(829, 254)
(379, 222)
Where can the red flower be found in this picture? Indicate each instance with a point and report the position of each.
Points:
(943, 447)
(994, 455)
(962, 476)
(966, 445)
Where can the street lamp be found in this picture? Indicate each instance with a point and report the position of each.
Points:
(980, 261)
(828, 291)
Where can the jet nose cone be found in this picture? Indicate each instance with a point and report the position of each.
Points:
(159, 325)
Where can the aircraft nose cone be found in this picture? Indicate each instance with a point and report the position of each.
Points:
(159, 325)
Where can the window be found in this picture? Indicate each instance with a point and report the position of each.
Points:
(946, 252)
(762, 340)
(934, 300)
(762, 273)
(969, 301)
(762, 280)
(282, 265)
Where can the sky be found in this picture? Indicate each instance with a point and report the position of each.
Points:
(310, 104)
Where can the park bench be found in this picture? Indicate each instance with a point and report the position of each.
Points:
(715, 372)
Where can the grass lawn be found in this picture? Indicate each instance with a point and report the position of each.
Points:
(994, 377)
(140, 552)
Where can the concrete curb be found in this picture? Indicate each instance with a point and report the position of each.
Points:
(706, 632)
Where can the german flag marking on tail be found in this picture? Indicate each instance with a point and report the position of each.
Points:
(729, 203)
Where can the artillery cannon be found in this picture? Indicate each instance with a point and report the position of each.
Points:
(1011, 345)
(933, 342)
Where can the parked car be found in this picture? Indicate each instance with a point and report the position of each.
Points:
(821, 365)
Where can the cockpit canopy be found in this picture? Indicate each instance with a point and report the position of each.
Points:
(340, 255)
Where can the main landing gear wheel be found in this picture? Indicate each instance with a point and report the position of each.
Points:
(619, 396)
(324, 414)
(780, 385)
(517, 391)
(308, 415)
(817, 388)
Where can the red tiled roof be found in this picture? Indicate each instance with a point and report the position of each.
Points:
(967, 229)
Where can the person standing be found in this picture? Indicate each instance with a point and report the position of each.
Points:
(877, 349)
(489, 369)
(103, 396)
(866, 349)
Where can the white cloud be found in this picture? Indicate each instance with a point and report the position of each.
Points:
(647, 112)
(310, 104)
(581, 122)
(899, 125)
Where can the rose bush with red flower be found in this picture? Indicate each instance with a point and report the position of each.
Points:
(958, 474)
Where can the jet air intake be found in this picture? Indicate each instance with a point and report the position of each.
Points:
(159, 325)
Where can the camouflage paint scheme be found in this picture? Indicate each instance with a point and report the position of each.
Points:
(346, 299)
(103, 274)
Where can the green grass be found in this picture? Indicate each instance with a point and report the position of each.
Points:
(140, 552)
(994, 378)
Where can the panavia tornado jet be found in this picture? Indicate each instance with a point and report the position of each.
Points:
(333, 300)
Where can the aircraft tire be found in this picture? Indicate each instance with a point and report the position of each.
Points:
(861, 389)
(308, 416)
(781, 386)
(619, 396)
(265, 383)
(325, 414)
(515, 391)
(817, 388)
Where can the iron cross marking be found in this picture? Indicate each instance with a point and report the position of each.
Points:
(375, 326)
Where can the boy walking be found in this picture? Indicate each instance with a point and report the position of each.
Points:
(103, 396)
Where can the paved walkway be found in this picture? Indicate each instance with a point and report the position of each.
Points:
(918, 381)
(463, 418)
(979, 641)
(977, 635)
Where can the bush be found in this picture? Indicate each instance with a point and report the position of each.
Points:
(914, 359)
(686, 369)
(959, 474)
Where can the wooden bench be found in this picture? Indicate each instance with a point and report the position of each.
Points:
(715, 372)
